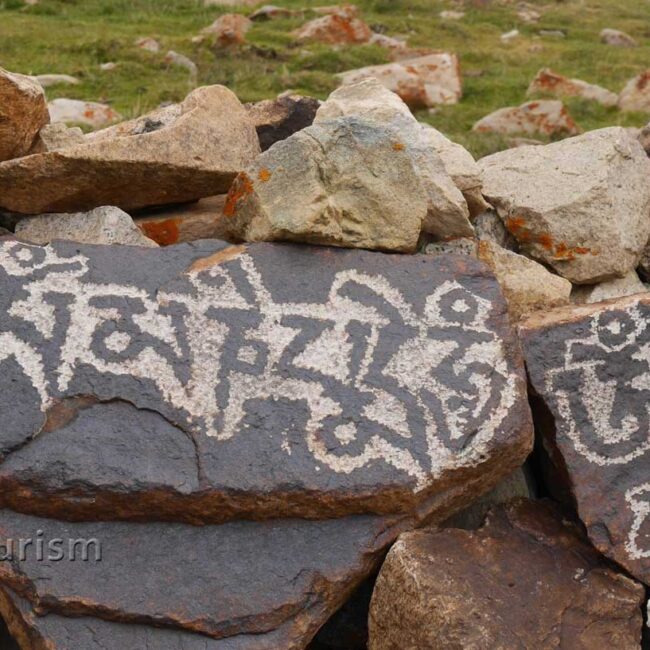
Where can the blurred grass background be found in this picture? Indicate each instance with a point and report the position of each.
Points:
(76, 36)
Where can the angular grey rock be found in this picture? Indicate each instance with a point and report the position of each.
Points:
(105, 225)
(489, 227)
(581, 206)
(448, 214)
(608, 290)
(23, 112)
(303, 381)
(346, 182)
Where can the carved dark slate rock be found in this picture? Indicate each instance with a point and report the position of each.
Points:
(253, 585)
(590, 370)
(527, 579)
(204, 383)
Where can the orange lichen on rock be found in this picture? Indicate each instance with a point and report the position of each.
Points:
(264, 175)
(241, 188)
(398, 146)
(164, 232)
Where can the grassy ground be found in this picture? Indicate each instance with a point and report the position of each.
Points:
(75, 36)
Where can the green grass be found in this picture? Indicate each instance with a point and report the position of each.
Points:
(75, 36)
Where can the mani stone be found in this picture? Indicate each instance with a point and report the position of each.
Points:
(205, 382)
(23, 112)
(105, 225)
(549, 82)
(445, 169)
(527, 579)
(589, 369)
(580, 205)
(243, 585)
(180, 153)
(540, 117)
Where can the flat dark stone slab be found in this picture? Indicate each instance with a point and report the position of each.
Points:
(590, 369)
(240, 581)
(204, 382)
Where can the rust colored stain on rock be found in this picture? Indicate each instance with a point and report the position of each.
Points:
(241, 188)
(164, 232)
(264, 175)
(398, 146)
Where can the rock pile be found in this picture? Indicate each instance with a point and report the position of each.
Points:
(225, 396)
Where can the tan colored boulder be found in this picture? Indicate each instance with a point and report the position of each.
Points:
(435, 159)
(544, 116)
(617, 38)
(551, 83)
(528, 579)
(229, 29)
(345, 182)
(422, 82)
(176, 154)
(635, 96)
(527, 285)
(617, 288)
(346, 10)
(53, 137)
(149, 44)
(334, 29)
(76, 111)
(203, 219)
(104, 225)
(581, 205)
(23, 112)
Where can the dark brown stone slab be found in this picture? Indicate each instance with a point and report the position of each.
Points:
(205, 383)
(527, 579)
(590, 370)
(278, 580)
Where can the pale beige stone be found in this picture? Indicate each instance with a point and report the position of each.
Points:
(22, 113)
(148, 44)
(617, 288)
(229, 29)
(53, 137)
(77, 111)
(635, 96)
(421, 82)
(617, 38)
(551, 83)
(527, 285)
(546, 117)
(47, 80)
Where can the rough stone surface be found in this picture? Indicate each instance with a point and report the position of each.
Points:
(618, 288)
(460, 246)
(179, 153)
(202, 219)
(635, 95)
(543, 116)
(229, 29)
(617, 38)
(180, 60)
(527, 579)
(345, 182)
(334, 29)
(421, 82)
(104, 225)
(527, 285)
(551, 83)
(23, 113)
(488, 226)
(242, 585)
(589, 367)
(580, 205)
(277, 119)
(445, 169)
(53, 137)
(76, 111)
(198, 382)
(271, 12)
(644, 264)
(149, 44)
(48, 80)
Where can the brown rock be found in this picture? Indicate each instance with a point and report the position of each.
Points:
(180, 153)
(589, 368)
(277, 119)
(544, 116)
(422, 82)
(527, 285)
(527, 579)
(229, 29)
(23, 112)
(338, 28)
(548, 82)
(203, 219)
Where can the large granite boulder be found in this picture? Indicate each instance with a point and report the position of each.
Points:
(589, 367)
(179, 153)
(582, 205)
(526, 579)
(346, 182)
(422, 82)
(445, 169)
(23, 112)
